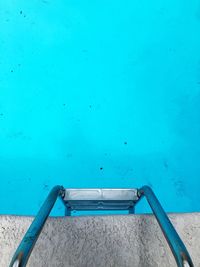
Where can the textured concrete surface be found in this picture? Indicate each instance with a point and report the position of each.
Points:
(103, 241)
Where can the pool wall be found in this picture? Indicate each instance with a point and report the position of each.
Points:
(99, 94)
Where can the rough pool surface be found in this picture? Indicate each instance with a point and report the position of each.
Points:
(108, 241)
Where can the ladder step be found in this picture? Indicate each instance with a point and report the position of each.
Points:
(100, 199)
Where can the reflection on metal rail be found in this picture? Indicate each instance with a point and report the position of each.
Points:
(26, 246)
(178, 249)
(101, 199)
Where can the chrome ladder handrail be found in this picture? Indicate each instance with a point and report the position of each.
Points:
(176, 245)
(27, 244)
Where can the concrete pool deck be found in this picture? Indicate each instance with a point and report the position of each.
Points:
(124, 241)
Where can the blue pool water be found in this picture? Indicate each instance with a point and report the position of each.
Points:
(99, 94)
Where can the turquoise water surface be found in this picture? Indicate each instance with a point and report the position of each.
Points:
(99, 94)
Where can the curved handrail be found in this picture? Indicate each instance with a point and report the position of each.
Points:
(178, 249)
(26, 246)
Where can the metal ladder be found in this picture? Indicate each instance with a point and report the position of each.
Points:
(100, 199)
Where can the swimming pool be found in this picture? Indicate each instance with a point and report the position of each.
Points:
(99, 94)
